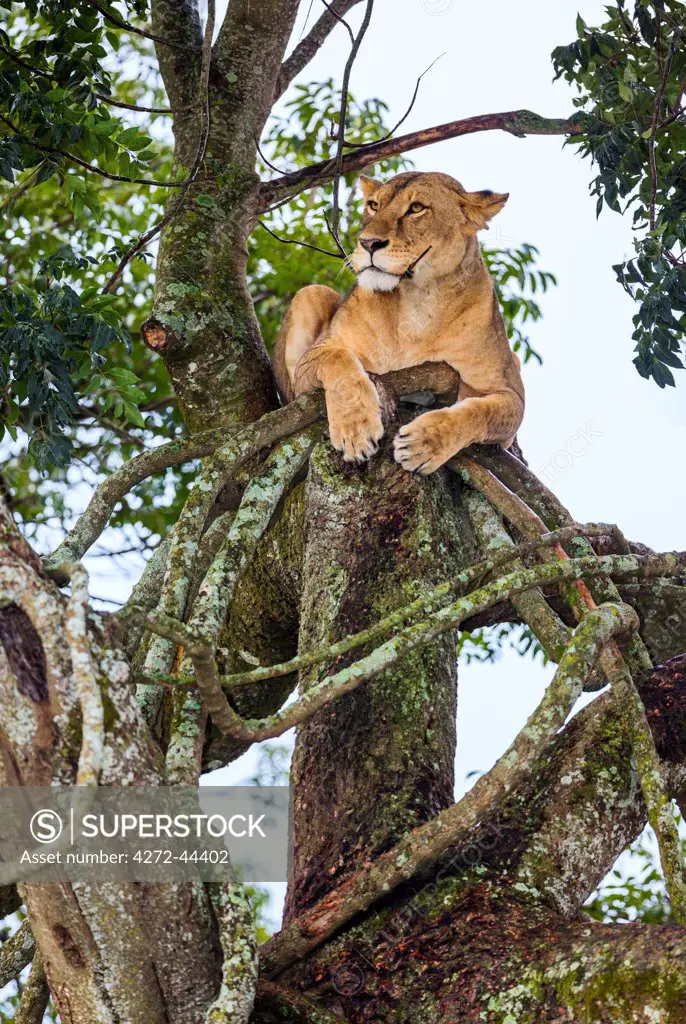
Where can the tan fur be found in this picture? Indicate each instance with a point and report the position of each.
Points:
(445, 311)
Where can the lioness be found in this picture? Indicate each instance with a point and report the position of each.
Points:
(423, 294)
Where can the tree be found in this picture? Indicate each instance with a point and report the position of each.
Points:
(403, 905)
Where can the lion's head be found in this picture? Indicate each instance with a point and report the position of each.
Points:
(417, 225)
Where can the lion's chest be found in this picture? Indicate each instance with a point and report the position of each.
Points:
(412, 332)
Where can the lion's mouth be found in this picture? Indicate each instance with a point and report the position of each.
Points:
(406, 274)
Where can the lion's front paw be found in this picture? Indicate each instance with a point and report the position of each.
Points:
(354, 414)
(425, 444)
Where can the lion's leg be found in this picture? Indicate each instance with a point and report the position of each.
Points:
(308, 316)
(433, 438)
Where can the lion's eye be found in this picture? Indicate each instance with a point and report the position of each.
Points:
(416, 208)
(372, 204)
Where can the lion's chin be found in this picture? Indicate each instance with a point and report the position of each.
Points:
(373, 280)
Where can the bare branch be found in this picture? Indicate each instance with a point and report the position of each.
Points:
(386, 626)
(308, 47)
(343, 113)
(516, 122)
(403, 119)
(236, 447)
(519, 481)
(135, 106)
(445, 618)
(305, 245)
(624, 691)
(531, 605)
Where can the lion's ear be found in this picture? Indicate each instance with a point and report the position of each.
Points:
(368, 186)
(479, 207)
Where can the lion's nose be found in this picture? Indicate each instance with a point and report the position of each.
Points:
(373, 245)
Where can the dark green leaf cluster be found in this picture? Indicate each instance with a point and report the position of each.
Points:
(631, 78)
(44, 336)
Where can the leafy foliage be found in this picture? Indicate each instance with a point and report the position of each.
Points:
(631, 77)
(67, 225)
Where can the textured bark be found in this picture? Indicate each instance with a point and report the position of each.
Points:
(463, 950)
(494, 933)
(379, 761)
(204, 322)
(158, 960)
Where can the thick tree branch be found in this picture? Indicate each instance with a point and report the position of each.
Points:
(531, 605)
(216, 592)
(16, 953)
(236, 924)
(423, 847)
(92, 713)
(462, 949)
(531, 507)
(178, 22)
(34, 998)
(515, 122)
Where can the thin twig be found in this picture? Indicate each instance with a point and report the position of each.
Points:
(331, 9)
(652, 159)
(343, 112)
(135, 106)
(306, 245)
(84, 163)
(403, 119)
(308, 47)
(22, 187)
(120, 23)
